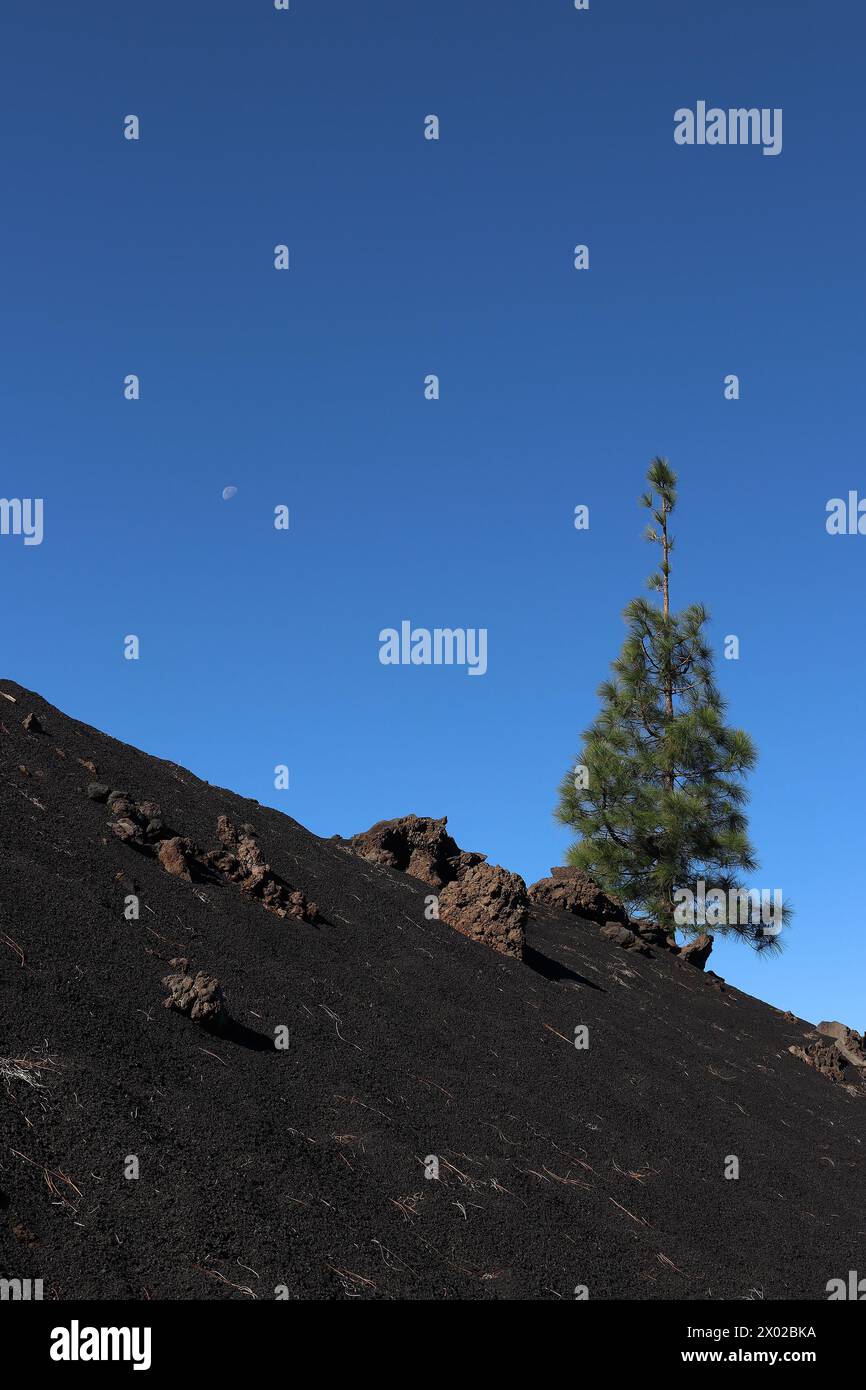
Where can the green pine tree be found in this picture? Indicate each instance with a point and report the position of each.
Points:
(658, 795)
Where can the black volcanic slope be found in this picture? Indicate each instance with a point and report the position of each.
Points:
(304, 1167)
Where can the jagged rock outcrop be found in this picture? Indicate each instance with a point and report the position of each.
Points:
(830, 1062)
(490, 905)
(478, 899)
(200, 997)
(848, 1041)
(622, 936)
(837, 1052)
(240, 861)
(137, 824)
(417, 845)
(569, 889)
(127, 831)
(176, 857)
(697, 951)
(654, 935)
(572, 890)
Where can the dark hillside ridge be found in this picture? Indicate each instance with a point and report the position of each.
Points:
(304, 1168)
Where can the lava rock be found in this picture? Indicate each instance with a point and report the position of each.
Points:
(697, 952)
(826, 1057)
(848, 1041)
(128, 832)
(488, 904)
(417, 845)
(654, 935)
(175, 855)
(240, 860)
(624, 937)
(572, 890)
(200, 998)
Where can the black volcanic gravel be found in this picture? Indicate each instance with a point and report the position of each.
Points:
(305, 1167)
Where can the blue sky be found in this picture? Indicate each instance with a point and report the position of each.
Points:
(305, 388)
